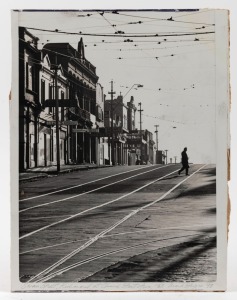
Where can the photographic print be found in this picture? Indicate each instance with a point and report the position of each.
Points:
(119, 142)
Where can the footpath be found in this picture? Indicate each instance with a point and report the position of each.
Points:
(43, 172)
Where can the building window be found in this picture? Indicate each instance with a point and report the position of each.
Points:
(125, 124)
(50, 97)
(62, 108)
(42, 91)
(33, 79)
(27, 75)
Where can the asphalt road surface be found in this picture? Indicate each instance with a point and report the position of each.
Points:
(126, 223)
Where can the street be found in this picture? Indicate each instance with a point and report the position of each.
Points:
(125, 223)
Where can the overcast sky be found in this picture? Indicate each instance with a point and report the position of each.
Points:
(177, 72)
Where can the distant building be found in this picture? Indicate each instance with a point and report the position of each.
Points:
(147, 148)
(161, 157)
(131, 114)
(117, 112)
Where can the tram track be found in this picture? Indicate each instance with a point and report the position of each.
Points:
(83, 193)
(44, 275)
(82, 184)
(96, 207)
(185, 228)
(80, 263)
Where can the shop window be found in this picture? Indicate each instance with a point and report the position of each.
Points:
(62, 108)
(50, 97)
(42, 91)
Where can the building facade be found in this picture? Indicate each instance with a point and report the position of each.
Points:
(116, 112)
(91, 129)
(82, 84)
(47, 120)
(103, 148)
(29, 105)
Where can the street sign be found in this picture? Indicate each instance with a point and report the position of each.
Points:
(80, 130)
(67, 123)
(93, 130)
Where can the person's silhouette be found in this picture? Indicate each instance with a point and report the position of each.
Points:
(184, 161)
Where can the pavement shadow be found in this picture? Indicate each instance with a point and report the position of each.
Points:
(165, 274)
(172, 258)
(211, 211)
(208, 189)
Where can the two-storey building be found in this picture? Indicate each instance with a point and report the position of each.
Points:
(82, 81)
(47, 119)
(117, 112)
(29, 104)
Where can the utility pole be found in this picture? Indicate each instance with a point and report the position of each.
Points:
(166, 156)
(156, 132)
(57, 117)
(140, 111)
(112, 123)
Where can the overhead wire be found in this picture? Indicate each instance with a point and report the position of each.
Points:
(148, 42)
(120, 35)
(194, 13)
(137, 48)
(161, 19)
(112, 25)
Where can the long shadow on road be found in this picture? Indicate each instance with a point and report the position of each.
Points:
(182, 262)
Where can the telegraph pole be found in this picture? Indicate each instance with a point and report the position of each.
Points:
(140, 111)
(112, 123)
(156, 132)
(56, 116)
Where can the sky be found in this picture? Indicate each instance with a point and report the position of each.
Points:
(176, 67)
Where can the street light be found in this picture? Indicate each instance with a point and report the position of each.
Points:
(137, 84)
(56, 68)
(112, 124)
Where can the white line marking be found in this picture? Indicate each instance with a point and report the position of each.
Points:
(95, 207)
(75, 186)
(88, 192)
(102, 233)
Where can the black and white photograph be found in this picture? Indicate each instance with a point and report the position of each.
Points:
(120, 152)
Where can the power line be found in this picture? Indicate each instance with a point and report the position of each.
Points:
(138, 48)
(148, 42)
(120, 35)
(112, 25)
(169, 19)
(162, 119)
(161, 56)
(194, 13)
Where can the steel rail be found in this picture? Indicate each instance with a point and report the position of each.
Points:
(92, 208)
(101, 234)
(88, 192)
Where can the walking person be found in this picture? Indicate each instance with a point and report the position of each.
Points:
(184, 161)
